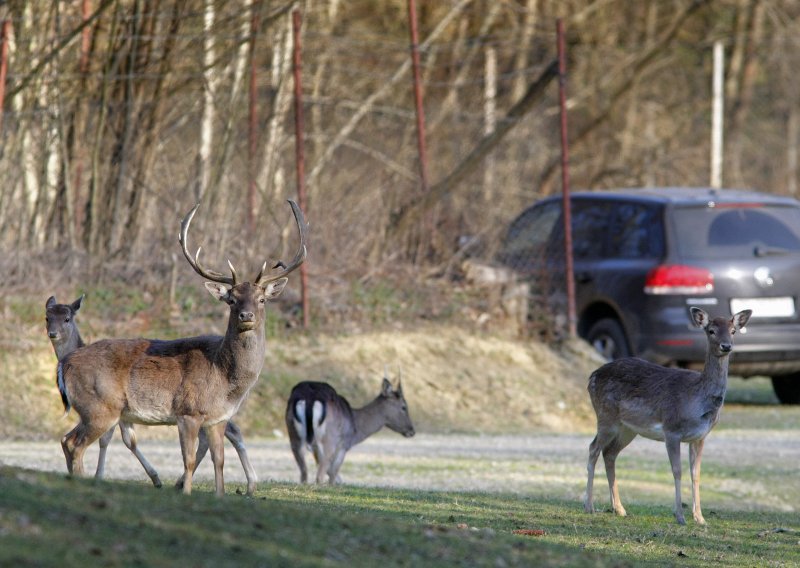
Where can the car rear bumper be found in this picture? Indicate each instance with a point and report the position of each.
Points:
(762, 350)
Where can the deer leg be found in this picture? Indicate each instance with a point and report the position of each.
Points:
(323, 461)
(674, 453)
(336, 463)
(299, 453)
(188, 431)
(610, 452)
(695, 455)
(202, 450)
(234, 434)
(216, 442)
(77, 440)
(105, 440)
(594, 452)
(129, 439)
(68, 444)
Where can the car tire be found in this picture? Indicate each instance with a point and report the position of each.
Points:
(787, 388)
(608, 338)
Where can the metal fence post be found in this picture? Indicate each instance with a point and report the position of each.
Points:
(562, 84)
(299, 153)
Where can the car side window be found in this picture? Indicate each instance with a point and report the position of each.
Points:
(637, 232)
(529, 235)
(590, 221)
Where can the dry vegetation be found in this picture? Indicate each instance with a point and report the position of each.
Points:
(459, 375)
(116, 121)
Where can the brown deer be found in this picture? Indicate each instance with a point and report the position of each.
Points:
(195, 382)
(632, 396)
(320, 419)
(62, 329)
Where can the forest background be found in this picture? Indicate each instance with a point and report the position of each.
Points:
(119, 115)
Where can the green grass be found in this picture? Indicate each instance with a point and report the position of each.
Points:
(50, 519)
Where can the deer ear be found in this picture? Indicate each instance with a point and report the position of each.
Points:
(386, 387)
(76, 305)
(399, 391)
(740, 320)
(51, 301)
(219, 291)
(699, 317)
(274, 289)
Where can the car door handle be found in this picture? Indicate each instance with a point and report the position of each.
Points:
(583, 277)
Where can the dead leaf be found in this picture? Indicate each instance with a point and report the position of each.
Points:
(530, 532)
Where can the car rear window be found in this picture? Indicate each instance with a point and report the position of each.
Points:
(737, 230)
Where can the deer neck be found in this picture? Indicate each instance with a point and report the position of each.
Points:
(367, 421)
(64, 348)
(241, 356)
(716, 369)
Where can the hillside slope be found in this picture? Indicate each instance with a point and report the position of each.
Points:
(454, 380)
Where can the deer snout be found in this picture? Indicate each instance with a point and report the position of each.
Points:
(409, 433)
(725, 347)
(246, 317)
(52, 334)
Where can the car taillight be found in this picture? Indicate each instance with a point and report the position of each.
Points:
(679, 279)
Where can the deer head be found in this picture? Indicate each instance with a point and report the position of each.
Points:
(396, 408)
(246, 300)
(59, 318)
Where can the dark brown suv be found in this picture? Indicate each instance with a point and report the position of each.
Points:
(643, 257)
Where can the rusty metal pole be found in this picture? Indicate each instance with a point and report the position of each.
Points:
(4, 33)
(423, 154)
(252, 137)
(299, 152)
(562, 97)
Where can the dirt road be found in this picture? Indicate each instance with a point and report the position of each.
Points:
(742, 469)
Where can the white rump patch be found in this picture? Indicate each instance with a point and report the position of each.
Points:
(300, 424)
(317, 413)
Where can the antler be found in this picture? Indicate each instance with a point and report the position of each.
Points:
(299, 257)
(195, 262)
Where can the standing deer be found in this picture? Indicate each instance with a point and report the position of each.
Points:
(318, 418)
(632, 396)
(195, 382)
(62, 329)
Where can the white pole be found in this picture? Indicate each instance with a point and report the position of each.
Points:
(490, 116)
(716, 116)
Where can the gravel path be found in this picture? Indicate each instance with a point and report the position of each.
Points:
(741, 468)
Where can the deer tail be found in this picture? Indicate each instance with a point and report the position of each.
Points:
(309, 421)
(62, 388)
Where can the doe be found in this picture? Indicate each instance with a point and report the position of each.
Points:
(632, 396)
(318, 418)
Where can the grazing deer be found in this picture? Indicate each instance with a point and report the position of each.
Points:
(632, 396)
(62, 329)
(195, 382)
(318, 418)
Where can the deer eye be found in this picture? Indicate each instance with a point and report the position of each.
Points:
(711, 332)
(66, 319)
(262, 300)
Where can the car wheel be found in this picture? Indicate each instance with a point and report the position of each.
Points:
(787, 388)
(608, 338)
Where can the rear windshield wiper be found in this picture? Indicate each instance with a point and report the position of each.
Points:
(770, 251)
